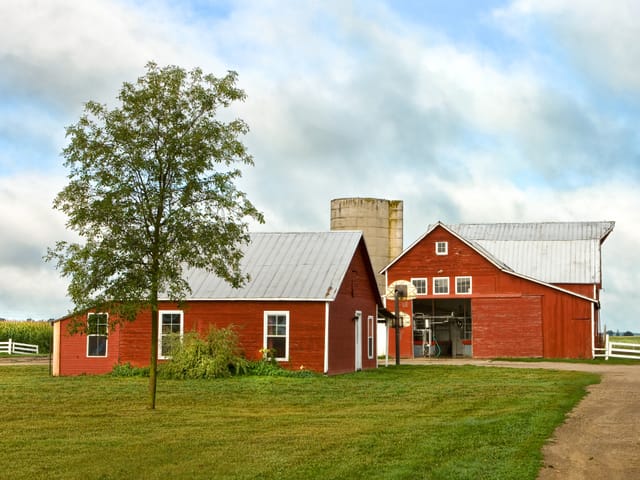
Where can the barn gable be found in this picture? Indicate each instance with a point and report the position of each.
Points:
(554, 254)
(503, 289)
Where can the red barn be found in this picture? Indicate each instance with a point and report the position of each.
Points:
(502, 290)
(311, 296)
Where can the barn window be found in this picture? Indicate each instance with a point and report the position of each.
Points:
(97, 329)
(171, 330)
(276, 334)
(463, 285)
(420, 284)
(371, 325)
(442, 248)
(441, 285)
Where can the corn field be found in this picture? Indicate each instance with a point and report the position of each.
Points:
(35, 333)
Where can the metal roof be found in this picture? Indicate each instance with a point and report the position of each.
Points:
(284, 266)
(552, 252)
(554, 231)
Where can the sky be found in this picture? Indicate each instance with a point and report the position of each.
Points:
(469, 112)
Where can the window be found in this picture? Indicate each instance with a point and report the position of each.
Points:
(97, 329)
(371, 325)
(276, 333)
(171, 330)
(420, 284)
(463, 285)
(442, 248)
(441, 285)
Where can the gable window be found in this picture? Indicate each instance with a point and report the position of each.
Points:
(420, 284)
(276, 333)
(463, 285)
(97, 329)
(371, 325)
(442, 248)
(441, 285)
(171, 331)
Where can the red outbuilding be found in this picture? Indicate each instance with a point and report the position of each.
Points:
(502, 290)
(311, 296)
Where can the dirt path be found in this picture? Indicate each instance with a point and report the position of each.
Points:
(601, 436)
(23, 360)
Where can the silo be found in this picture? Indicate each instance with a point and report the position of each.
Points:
(381, 223)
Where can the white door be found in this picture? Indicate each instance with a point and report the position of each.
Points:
(358, 327)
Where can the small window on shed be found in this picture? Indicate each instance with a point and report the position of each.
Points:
(442, 248)
(171, 329)
(97, 330)
(371, 327)
(276, 334)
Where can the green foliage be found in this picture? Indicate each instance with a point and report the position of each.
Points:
(34, 333)
(266, 368)
(152, 189)
(151, 192)
(216, 356)
(128, 370)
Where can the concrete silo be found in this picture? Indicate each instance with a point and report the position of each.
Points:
(381, 223)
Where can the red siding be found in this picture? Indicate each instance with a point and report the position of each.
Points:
(357, 292)
(511, 316)
(507, 327)
(73, 353)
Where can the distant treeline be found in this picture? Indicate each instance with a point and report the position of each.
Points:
(34, 333)
(617, 333)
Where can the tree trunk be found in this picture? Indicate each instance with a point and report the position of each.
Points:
(153, 364)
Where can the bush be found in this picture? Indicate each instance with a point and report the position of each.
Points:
(218, 355)
(34, 333)
(266, 368)
(128, 370)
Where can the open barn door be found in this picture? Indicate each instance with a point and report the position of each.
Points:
(442, 328)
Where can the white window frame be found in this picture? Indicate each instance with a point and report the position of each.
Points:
(466, 277)
(426, 288)
(160, 334)
(445, 250)
(105, 335)
(371, 326)
(265, 343)
(435, 290)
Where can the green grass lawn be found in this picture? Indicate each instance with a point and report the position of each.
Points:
(407, 422)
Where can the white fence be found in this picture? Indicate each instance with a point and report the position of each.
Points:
(12, 347)
(618, 350)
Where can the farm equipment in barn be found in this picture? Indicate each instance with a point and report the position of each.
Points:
(425, 333)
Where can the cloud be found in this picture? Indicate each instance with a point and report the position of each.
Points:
(62, 53)
(29, 227)
(600, 37)
(344, 99)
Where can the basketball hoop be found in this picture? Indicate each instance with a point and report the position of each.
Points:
(405, 290)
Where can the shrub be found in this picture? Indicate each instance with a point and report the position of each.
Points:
(218, 355)
(34, 333)
(269, 367)
(128, 370)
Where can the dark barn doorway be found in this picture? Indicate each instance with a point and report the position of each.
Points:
(442, 328)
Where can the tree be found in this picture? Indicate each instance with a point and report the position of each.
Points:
(152, 191)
